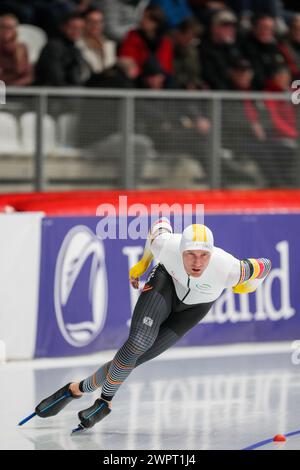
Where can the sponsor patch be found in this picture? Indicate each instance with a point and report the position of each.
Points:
(147, 321)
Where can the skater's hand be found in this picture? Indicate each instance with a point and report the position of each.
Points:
(141, 267)
(135, 282)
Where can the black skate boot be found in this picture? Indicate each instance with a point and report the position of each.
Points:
(55, 403)
(92, 415)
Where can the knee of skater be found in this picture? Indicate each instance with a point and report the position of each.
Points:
(140, 344)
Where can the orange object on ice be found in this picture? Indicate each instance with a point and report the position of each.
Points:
(279, 438)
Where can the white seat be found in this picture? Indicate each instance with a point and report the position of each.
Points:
(34, 38)
(9, 138)
(28, 133)
(67, 133)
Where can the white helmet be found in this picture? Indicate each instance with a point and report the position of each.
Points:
(197, 237)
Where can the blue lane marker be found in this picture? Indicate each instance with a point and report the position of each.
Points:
(268, 441)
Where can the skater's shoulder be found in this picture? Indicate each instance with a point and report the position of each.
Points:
(220, 252)
(222, 256)
(172, 242)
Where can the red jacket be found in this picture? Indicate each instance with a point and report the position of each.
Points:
(291, 58)
(283, 115)
(134, 46)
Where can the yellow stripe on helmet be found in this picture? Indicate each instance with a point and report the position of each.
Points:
(199, 233)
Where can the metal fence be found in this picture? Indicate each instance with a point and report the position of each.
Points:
(70, 138)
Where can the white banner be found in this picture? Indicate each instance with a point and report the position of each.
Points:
(20, 243)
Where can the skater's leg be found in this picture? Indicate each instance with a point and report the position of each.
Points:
(164, 340)
(173, 329)
(94, 381)
(102, 407)
(150, 312)
(176, 326)
(160, 285)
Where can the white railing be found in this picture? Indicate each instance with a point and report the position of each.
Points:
(42, 98)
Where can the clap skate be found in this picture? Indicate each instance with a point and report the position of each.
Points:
(92, 415)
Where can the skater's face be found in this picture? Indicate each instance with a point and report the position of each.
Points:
(195, 261)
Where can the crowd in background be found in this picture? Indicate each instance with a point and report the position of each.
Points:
(185, 44)
(171, 44)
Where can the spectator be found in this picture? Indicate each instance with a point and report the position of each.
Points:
(281, 166)
(274, 8)
(219, 49)
(15, 68)
(149, 40)
(153, 76)
(61, 62)
(291, 48)
(261, 48)
(176, 129)
(244, 112)
(98, 52)
(175, 11)
(241, 75)
(121, 16)
(121, 75)
(242, 129)
(187, 69)
(49, 13)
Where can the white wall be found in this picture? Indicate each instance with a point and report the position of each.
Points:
(20, 244)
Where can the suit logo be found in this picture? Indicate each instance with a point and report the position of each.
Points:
(147, 321)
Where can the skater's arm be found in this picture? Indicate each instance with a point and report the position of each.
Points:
(160, 232)
(251, 274)
(154, 243)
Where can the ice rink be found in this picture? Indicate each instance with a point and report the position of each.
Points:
(231, 397)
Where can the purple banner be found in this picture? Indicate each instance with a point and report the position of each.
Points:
(86, 301)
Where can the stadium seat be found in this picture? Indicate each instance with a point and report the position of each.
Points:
(34, 38)
(9, 139)
(28, 128)
(67, 133)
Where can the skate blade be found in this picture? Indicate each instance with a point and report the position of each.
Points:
(28, 418)
(79, 428)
